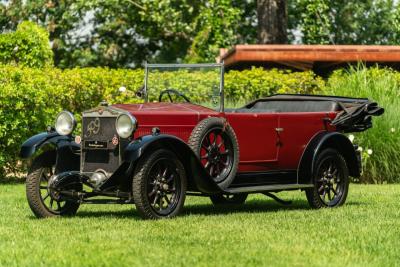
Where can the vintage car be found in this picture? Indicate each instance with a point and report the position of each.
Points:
(155, 153)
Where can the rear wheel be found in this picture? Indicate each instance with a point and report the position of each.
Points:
(44, 201)
(228, 199)
(159, 185)
(331, 180)
(215, 144)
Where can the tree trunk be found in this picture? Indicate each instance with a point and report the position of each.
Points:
(272, 21)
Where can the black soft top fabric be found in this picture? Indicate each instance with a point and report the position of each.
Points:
(353, 114)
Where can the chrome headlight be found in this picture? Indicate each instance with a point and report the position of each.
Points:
(125, 125)
(65, 123)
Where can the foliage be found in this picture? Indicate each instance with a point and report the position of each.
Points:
(126, 33)
(364, 232)
(216, 27)
(346, 22)
(63, 20)
(314, 21)
(383, 140)
(251, 84)
(30, 98)
(27, 46)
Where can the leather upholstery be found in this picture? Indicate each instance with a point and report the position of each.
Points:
(289, 106)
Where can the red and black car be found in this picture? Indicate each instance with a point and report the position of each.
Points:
(155, 153)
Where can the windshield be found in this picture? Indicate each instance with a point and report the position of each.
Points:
(200, 84)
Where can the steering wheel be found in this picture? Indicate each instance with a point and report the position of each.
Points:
(169, 92)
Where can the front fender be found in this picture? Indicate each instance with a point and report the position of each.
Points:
(196, 175)
(31, 145)
(324, 140)
(67, 151)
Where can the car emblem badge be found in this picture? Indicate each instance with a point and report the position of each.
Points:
(115, 140)
(93, 127)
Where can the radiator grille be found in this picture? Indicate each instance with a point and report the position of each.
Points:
(98, 151)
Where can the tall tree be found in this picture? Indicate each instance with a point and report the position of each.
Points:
(272, 21)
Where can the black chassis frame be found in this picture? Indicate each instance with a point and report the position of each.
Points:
(199, 181)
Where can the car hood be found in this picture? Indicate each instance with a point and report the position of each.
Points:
(164, 108)
(172, 118)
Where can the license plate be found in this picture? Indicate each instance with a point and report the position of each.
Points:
(96, 144)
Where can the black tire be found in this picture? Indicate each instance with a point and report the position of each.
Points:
(43, 166)
(228, 199)
(158, 175)
(215, 144)
(331, 180)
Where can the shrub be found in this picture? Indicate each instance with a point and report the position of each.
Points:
(383, 140)
(240, 86)
(30, 98)
(28, 46)
(255, 83)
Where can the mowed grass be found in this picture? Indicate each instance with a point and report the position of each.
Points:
(364, 232)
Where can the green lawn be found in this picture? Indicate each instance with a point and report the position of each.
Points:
(364, 232)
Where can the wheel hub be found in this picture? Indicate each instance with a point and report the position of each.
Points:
(214, 155)
(54, 193)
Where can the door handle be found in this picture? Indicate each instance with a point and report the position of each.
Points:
(279, 130)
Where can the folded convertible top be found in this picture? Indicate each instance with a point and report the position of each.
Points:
(354, 114)
(357, 118)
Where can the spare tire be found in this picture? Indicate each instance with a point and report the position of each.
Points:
(215, 144)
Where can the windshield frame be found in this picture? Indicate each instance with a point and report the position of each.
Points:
(202, 65)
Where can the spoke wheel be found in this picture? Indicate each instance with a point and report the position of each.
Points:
(43, 200)
(329, 183)
(163, 186)
(50, 198)
(216, 154)
(215, 144)
(159, 185)
(331, 180)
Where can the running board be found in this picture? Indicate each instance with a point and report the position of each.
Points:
(266, 188)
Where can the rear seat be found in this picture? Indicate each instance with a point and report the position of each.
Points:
(290, 106)
(251, 110)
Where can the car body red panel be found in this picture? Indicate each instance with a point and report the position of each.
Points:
(176, 119)
(263, 147)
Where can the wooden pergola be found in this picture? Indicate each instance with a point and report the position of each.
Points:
(319, 58)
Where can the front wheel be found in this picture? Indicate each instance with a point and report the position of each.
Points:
(331, 180)
(159, 185)
(43, 200)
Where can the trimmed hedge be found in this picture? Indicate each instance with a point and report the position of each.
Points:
(30, 98)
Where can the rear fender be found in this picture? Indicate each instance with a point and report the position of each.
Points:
(320, 142)
(68, 157)
(198, 178)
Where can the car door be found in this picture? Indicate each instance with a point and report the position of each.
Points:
(258, 139)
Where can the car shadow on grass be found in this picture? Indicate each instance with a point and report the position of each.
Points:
(252, 206)
(122, 214)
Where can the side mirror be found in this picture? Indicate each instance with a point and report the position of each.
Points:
(140, 92)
